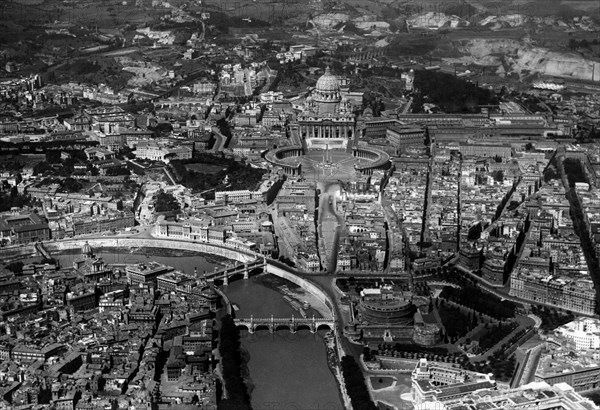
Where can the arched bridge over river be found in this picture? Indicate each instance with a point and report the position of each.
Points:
(292, 324)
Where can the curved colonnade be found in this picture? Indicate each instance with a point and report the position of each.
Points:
(275, 156)
(379, 159)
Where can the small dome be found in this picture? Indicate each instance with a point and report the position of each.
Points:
(86, 249)
(328, 83)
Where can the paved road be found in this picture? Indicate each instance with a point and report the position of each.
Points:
(220, 140)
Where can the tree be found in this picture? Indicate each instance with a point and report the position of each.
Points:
(13, 199)
(71, 185)
(15, 267)
(550, 173)
(231, 362)
(355, 385)
(513, 205)
(574, 171)
(474, 232)
(499, 176)
(166, 202)
(451, 94)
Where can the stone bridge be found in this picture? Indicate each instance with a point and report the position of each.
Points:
(240, 268)
(40, 248)
(292, 324)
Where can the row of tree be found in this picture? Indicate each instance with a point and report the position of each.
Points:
(12, 198)
(412, 351)
(574, 44)
(472, 297)
(504, 201)
(500, 365)
(574, 171)
(43, 146)
(551, 318)
(450, 93)
(355, 385)
(166, 202)
(495, 334)
(238, 397)
(456, 323)
(582, 230)
(412, 348)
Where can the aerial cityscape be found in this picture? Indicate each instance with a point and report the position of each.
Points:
(299, 204)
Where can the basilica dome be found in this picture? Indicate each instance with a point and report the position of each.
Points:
(328, 83)
(86, 249)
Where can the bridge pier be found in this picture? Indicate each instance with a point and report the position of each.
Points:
(225, 280)
(246, 271)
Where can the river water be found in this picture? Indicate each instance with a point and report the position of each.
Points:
(186, 263)
(288, 371)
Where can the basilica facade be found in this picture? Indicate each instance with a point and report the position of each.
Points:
(327, 120)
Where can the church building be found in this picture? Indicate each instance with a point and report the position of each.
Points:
(328, 120)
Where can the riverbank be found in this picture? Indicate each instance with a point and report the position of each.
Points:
(294, 295)
(292, 363)
(284, 366)
(333, 362)
(150, 243)
(245, 370)
(150, 252)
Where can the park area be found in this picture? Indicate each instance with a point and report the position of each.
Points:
(206, 173)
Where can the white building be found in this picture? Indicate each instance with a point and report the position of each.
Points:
(155, 152)
(235, 196)
(583, 331)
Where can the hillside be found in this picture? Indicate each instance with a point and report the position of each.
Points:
(521, 58)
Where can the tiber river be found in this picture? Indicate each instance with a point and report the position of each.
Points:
(288, 371)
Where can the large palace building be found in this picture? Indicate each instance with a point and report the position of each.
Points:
(327, 120)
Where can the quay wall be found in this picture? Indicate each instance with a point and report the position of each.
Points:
(303, 283)
(15, 252)
(208, 248)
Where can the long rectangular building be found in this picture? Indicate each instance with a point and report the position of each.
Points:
(103, 223)
(538, 286)
(143, 273)
(24, 228)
